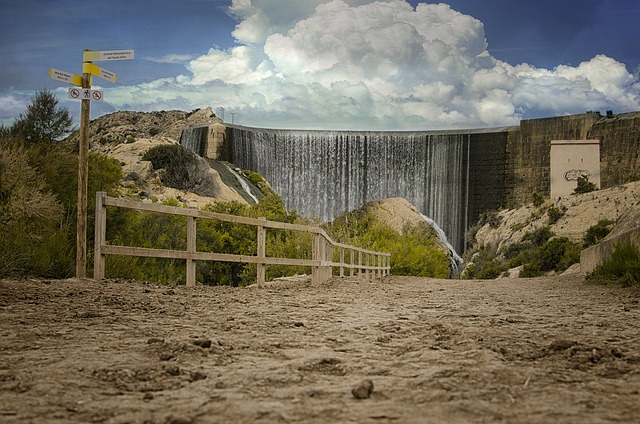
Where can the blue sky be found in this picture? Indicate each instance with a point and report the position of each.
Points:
(341, 64)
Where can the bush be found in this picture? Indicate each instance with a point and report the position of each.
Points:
(555, 214)
(538, 199)
(182, 168)
(584, 185)
(539, 236)
(484, 266)
(596, 233)
(414, 252)
(622, 267)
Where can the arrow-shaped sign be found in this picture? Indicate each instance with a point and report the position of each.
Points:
(92, 69)
(98, 56)
(63, 76)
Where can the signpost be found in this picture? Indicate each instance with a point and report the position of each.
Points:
(92, 69)
(86, 94)
(58, 75)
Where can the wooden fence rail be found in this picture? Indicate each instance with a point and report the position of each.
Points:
(361, 262)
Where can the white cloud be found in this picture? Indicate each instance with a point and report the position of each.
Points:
(11, 106)
(367, 64)
(170, 58)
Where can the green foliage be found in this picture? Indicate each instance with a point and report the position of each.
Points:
(160, 231)
(622, 267)
(484, 266)
(539, 236)
(555, 214)
(491, 217)
(38, 189)
(44, 119)
(596, 233)
(556, 254)
(538, 253)
(256, 178)
(182, 169)
(584, 185)
(414, 252)
(538, 199)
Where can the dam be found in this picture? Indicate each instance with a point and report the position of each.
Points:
(450, 176)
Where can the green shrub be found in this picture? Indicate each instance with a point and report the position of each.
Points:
(583, 185)
(414, 252)
(182, 169)
(555, 214)
(538, 199)
(539, 236)
(484, 266)
(622, 267)
(596, 233)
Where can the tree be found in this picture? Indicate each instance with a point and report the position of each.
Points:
(44, 119)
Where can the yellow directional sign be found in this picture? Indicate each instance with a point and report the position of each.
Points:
(98, 56)
(90, 68)
(63, 76)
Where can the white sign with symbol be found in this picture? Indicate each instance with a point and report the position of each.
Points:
(86, 94)
(98, 56)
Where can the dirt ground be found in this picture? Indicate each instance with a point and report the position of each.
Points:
(547, 350)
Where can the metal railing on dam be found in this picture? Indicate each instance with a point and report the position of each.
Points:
(325, 253)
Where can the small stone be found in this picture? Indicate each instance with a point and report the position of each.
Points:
(203, 343)
(147, 397)
(363, 390)
(172, 370)
(166, 356)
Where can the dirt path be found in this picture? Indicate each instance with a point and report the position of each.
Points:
(518, 351)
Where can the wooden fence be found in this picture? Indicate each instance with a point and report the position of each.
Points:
(359, 262)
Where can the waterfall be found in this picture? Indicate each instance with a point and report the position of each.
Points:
(324, 173)
(243, 183)
(195, 138)
(456, 260)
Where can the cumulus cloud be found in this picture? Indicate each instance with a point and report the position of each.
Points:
(170, 58)
(364, 64)
(11, 105)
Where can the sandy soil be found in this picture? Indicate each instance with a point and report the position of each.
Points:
(529, 350)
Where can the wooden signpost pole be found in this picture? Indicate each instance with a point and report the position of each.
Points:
(87, 95)
(83, 179)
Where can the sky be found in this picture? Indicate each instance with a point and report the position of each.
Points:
(332, 64)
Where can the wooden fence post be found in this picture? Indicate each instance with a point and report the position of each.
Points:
(329, 258)
(352, 270)
(191, 248)
(315, 255)
(367, 271)
(261, 268)
(100, 236)
(341, 261)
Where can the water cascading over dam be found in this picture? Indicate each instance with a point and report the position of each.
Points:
(324, 173)
(450, 176)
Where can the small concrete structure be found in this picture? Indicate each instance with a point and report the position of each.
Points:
(216, 137)
(571, 159)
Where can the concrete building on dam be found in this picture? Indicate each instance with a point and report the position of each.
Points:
(450, 176)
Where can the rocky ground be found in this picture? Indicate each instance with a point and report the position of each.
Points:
(552, 349)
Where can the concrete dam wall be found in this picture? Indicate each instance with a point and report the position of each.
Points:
(450, 176)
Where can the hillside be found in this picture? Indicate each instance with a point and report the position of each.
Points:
(127, 136)
(569, 217)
